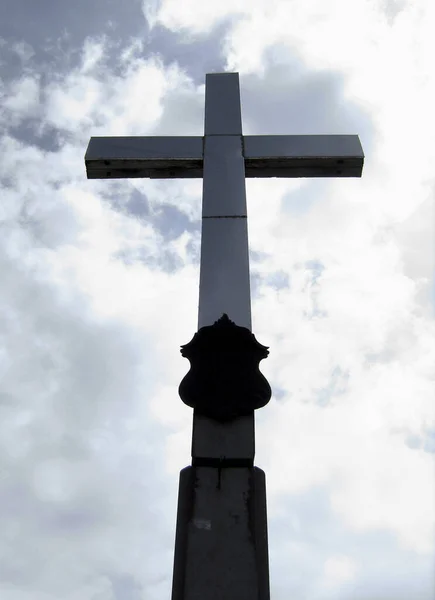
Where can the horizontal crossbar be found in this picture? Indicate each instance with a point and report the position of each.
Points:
(265, 156)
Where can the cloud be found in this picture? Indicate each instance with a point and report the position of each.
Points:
(337, 570)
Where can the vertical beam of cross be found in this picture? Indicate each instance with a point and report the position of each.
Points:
(224, 271)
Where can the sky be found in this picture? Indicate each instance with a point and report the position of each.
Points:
(99, 288)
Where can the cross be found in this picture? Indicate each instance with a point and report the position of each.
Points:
(221, 534)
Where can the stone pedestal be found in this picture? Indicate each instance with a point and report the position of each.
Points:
(221, 550)
(229, 444)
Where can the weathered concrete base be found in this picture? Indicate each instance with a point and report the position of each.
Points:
(221, 548)
(226, 444)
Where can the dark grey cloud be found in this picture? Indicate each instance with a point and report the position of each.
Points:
(278, 280)
(168, 221)
(171, 222)
(393, 8)
(292, 99)
(50, 35)
(29, 132)
(45, 41)
(125, 587)
(57, 30)
(196, 55)
(425, 442)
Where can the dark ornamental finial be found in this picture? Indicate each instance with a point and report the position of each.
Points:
(224, 320)
(224, 380)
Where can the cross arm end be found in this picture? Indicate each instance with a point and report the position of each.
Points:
(303, 156)
(155, 157)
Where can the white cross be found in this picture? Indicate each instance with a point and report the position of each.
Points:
(224, 157)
